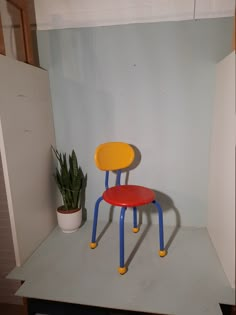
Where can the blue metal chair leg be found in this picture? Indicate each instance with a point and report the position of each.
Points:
(93, 243)
(122, 269)
(162, 251)
(135, 221)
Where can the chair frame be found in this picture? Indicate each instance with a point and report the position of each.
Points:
(122, 268)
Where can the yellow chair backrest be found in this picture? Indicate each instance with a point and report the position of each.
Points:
(112, 156)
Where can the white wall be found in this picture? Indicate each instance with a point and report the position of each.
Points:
(221, 211)
(58, 14)
(151, 85)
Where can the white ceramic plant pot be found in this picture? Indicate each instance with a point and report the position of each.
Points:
(70, 220)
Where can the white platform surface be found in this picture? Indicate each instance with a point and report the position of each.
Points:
(188, 281)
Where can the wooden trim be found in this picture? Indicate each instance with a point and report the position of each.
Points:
(27, 37)
(25, 302)
(233, 310)
(234, 33)
(2, 45)
(21, 5)
(25, 305)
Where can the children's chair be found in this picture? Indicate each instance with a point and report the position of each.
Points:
(116, 156)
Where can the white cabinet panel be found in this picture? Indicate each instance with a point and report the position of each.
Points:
(26, 136)
(214, 8)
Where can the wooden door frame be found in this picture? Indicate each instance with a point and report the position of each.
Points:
(21, 5)
(2, 45)
(234, 32)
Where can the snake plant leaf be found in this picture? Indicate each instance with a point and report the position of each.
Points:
(69, 178)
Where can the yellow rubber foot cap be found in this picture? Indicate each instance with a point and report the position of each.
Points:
(93, 245)
(135, 230)
(122, 270)
(162, 253)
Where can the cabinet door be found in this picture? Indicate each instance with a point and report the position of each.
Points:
(15, 31)
(26, 136)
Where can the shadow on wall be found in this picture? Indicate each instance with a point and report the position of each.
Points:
(135, 163)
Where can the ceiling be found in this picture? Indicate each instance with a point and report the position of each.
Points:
(57, 14)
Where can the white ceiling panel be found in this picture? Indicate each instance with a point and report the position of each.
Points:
(214, 8)
(55, 14)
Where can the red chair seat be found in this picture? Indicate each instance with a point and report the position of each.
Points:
(128, 195)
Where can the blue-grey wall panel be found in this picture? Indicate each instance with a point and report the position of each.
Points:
(151, 85)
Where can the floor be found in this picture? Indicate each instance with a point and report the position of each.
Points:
(189, 280)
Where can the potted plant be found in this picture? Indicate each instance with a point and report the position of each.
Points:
(69, 179)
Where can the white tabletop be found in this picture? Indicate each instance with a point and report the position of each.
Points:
(189, 280)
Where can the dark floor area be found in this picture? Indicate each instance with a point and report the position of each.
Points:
(228, 309)
(12, 309)
(60, 309)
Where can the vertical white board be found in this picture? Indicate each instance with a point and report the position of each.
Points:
(221, 212)
(26, 136)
